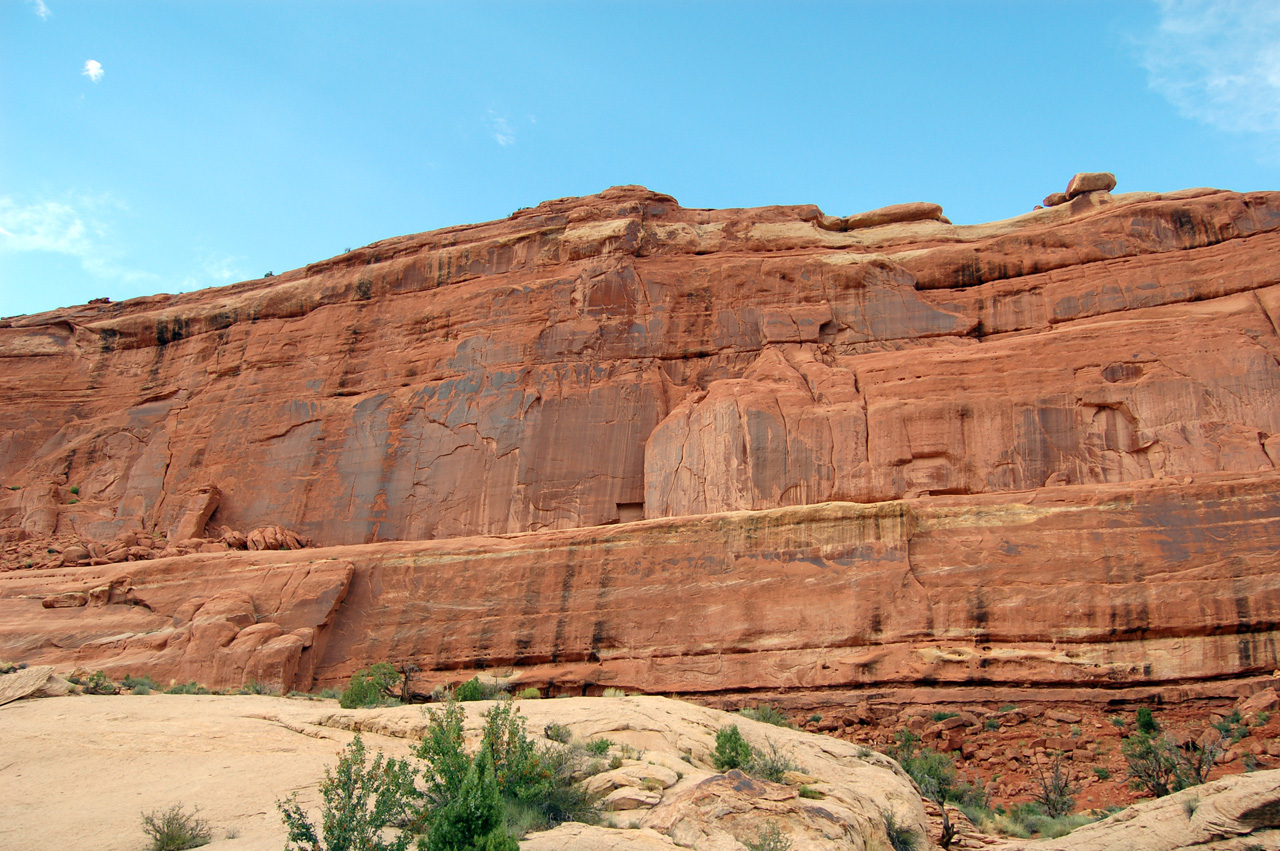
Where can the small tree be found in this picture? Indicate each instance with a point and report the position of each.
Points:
(732, 750)
(1056, 792)
(371, 687)
(1153, 764)
(175, 829)
(473, 818)
(359, 802)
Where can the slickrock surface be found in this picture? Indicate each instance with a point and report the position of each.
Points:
(868, 451)
(233, 757)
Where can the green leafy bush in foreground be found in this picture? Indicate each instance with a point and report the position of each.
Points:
(452, 800)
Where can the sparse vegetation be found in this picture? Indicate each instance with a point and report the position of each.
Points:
(529, 693)
(557, 733)
(733, 751)
(360, 800)
(943, 716)
(1056, 791)
(1158, 766)
(770, 838)
(614, 692)
(372, 686)
(901, 837)
(767, 713)
(186, 688)
(175, 829)
(599, 747)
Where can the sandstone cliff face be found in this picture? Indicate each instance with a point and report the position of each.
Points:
(599, 358)
(1035, 451)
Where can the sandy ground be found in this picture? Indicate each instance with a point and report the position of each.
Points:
(79, 771)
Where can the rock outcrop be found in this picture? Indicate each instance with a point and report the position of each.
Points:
(877, 449)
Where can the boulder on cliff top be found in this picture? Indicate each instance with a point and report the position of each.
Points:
(1090, 181)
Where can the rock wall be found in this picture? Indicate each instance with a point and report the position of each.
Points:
(595, 359)
(882, 449)
(1099, 588)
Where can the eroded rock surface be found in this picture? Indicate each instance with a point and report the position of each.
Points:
(872, 450)
(614, 356)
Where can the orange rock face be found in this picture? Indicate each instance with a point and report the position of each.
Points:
(1050, 443)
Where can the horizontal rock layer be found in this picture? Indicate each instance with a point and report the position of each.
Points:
(1103, 588)
(875, 450)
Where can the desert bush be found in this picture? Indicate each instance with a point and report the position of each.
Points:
(99, 683)
(770, 838)
(769, 764)
(901, 837)
(534, 785)
(472, 689)
(256, 687)
(360, 801)
(1157, 765)
(599, 747)
(371, 687)
(1147, 722)
(557, 733)
(614, 692)
(186, 688)
(766, 712)
(529, 693)
(1055, 790)
(175, 829)
(732, 750)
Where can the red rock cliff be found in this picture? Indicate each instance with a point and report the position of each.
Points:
(617, 356)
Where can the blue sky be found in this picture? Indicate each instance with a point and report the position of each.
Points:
(166, 146)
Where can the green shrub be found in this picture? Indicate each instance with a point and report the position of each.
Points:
(599, 747)
(901, 837)
(75, 490)
(770, 764)
(472, 689)
(174, 829)
(943, 716)
(766, 712)
(131, 682)
(359, 802)
(1147, 722)
(1157, 765)
(557, 733)
(473, 817)
(1102, 772)
(614, 692)
(371, 687)
(810, 792)
(529, 693)
(770, 838)
(98, 683)
(187, 688)
(256, 687)
(140, 690)
(732, 751)
(534, 784)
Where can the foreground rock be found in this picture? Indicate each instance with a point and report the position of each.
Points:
(1237, 813)
(234, 756)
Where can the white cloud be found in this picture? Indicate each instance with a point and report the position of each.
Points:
(41, 9)
(1218, 62)
(501, 130)
(222, 269)
(74, 228)
(93, 70)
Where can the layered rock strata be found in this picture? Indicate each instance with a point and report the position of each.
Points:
(880, 449)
